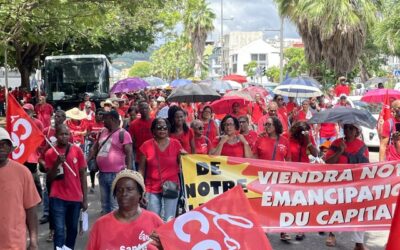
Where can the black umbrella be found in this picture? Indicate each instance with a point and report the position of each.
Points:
(193, 92)
(345, 116)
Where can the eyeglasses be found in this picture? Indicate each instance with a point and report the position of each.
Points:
(159, 127)
(229, 124)
(242, 121)
(279, 99)
(200, 128)
(267, 124)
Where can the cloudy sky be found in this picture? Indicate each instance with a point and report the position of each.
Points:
(249, 15)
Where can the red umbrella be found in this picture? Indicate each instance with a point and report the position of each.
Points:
(379, 95)
(253, 90)
(224, 105)
(236, 78)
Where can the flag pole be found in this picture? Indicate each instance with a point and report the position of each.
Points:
(55, 150)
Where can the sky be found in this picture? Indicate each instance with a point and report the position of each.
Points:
(249, 15)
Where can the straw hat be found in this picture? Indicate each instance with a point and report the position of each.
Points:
(76, 114)
(107, 102)
(127, 173)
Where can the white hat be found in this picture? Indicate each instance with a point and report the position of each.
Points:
(107, 102)
(160, 99)
(127, 173)
(4, 135)
(76, 114)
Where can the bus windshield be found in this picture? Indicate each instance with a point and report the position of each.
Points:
(68, 77)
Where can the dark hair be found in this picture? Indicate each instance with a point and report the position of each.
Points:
(235, 121)
(140, 189)
(99, 110)
(276, 97)
(156, 120)
(60, 127)
(297, 129)
(277, 124)
(132, 108)
(171, 118)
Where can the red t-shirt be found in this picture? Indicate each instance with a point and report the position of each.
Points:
(392, 154)
(158, 161)
(76, 128)
(342, 89)
(387, 129)
(351, 148)
(234, 150)
(92, 106)
(44, 113)
(298, 152)
(264, 148)
(203, 145)
(210, 129)
(290, 106)
(140, 131)
(261, 122)
(94, 128)
(257, 111)
(110, 233)
(241, 113)
(69, 187)
(251, 138)
(184, 139)
(327, 130)
(301, 116)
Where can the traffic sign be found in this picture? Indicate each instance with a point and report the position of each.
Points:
(396, 72)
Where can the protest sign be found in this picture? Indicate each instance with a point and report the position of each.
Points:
(304, 197)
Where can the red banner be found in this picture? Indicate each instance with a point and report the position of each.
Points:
(225, 222)
(25, 134)
(300, 197)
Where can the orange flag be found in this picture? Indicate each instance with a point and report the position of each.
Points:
(225, 222)
(25, 134)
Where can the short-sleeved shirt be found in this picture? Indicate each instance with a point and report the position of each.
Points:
(327, 130)
(17, 194)
(234, 150)
(77, 128)
(263, 119)
(94, 129)
(164, 162)
(110, 233)
(68, 188)
(298, 152)
(184, 138)
(290, 106)
(257, 111)
(140, 131)
(389, 127)
(202, 144)
(210, 129)
(351, 147)
(264, 148)
(111, 155)
(92, 105)
(251, 138)
(342, 89)
(44, 113)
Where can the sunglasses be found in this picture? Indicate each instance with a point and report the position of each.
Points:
(272, 110)
(279, 99)
(267, 124)
(242, 121)
(159, 127)
(229, 124)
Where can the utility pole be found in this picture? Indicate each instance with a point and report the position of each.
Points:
(281, 51)
(6, 72)
(222, 40)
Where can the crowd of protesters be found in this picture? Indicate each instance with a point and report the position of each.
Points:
(133, 142)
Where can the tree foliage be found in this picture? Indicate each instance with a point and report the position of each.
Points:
(387, 32)
(250, 68)
(140, 69)
(273, 73)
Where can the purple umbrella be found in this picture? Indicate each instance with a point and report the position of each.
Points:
(129, 85)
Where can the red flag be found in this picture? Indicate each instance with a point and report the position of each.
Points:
(386, 113)
(25, 134)
(393, 242)
(225, 222)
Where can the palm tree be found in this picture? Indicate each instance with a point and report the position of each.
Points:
(333, 31)
(198, 21)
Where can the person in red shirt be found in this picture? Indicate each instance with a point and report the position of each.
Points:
(201, 142)
(348, 150)
(180, 129)
(139, 129)
(304, 113)
(130, 226)
(389, 127)
(237, 110)
(342, 87)
(86, 98)
(77, 126)
(301, 142)
(44, 111)
(159, 163)
(211, 130)
(282, 109)
(258, 108)
(393, 151)
(272, 111)
(271, 145)
(231, 143)
(68, 187)
(291, 106)
(343, 102)
(249, 135)
(189, 110)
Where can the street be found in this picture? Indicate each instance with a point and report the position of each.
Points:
(374, 240)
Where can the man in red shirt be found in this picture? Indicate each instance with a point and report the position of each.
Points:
(249, 135)
(258, 108)
(342, 87)
(140, 129)
(44, 111)
(389, 127)
(68, 187)
(272, 111)
(86, 98)
(291, 105)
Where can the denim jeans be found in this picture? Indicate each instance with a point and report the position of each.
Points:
(65, 215)
(165, 208)
(108, 201)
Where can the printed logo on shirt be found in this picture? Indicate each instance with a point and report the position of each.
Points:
(282, 148)
(142, 237)
(53, 140)
(75, 160)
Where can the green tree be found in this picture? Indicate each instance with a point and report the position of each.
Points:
(333, 31)
(273, 73)
(198, 21)
(140, 69)
(386, 32)
(296, 63)
(250, 68)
